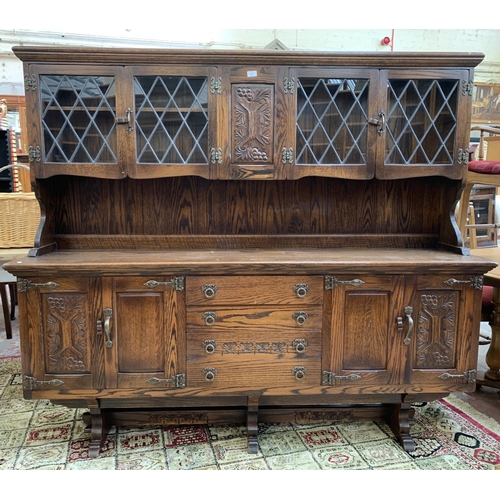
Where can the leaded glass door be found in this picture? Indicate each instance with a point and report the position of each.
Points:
(420, 133)
(80, 116)
(173, 118)
(335, 117)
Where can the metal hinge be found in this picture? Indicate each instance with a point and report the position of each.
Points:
(330, 378)
(287, 155)
(178, 381)
(468, 377)
(467, 88)
(24, 285)
(31, 383)
(34, 154)
(177, 283)
(216, 155)
(463, 156)
(288, 85)
(216, 85)
(30, 82)
(331, 282)
(475, 282)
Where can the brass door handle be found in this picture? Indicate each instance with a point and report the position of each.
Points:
(107, 327)
(408, 312)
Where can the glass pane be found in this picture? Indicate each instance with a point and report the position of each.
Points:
(171, 119)
(78, 118)
(332, 121)
(421, 121)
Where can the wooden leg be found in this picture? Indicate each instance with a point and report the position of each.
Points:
(402, 415)
(96, 425)
(252, 423)
(493, 354)
(5, 307)
(13, 300)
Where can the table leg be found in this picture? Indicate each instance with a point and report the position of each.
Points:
(492, 375)
(6, 312)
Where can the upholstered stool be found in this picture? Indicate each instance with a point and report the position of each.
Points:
(8, 281)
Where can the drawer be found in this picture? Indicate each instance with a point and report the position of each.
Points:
(215, 345)
(254, 361)
(257, 318)
(249, 290)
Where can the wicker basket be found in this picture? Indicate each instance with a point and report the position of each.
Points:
(19, 219)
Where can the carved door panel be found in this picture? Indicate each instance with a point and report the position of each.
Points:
(421, 134)
(444, 342)
(257, 104)
(366, 344)
(336, 120)
(145, 334)
(59, 334)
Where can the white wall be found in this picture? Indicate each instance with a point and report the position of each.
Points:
(162, 32)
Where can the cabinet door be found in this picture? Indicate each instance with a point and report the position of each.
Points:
(145, 347)
(426, 123)
(255, 109)
(60, 318)
(444, 342)
(364, 346)
(80, 121)
(174, 120)
(335, 123)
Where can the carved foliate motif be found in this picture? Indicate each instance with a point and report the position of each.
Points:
(436, 330)
(305, 417)
(253, 123)
(172, 418)
(66, 342)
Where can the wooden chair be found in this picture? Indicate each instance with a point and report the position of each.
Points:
(8, 281)
(484, 171)
(487, 293)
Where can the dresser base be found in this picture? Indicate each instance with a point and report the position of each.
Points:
(398, 414)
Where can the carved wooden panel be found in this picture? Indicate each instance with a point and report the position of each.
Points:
(436, 330)
(253, 128)
(66, 342)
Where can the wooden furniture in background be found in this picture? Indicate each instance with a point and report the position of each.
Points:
(483, 171)
(491, 378)
(247, 236)
(8, 293)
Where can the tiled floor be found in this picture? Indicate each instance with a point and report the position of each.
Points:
(486, 400)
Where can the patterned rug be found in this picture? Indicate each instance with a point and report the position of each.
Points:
(449, 434)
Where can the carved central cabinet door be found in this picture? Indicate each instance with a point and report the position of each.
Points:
(257, 103)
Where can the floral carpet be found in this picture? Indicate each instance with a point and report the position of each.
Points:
(449, 434)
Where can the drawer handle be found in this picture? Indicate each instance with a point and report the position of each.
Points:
(209, 318)
(299, 372)
(301, 290)
(209, 290)
(209, 346)
(209, 374)
(300, 345)
(300, 317)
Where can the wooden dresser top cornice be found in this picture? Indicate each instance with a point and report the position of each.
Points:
(99, 55)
